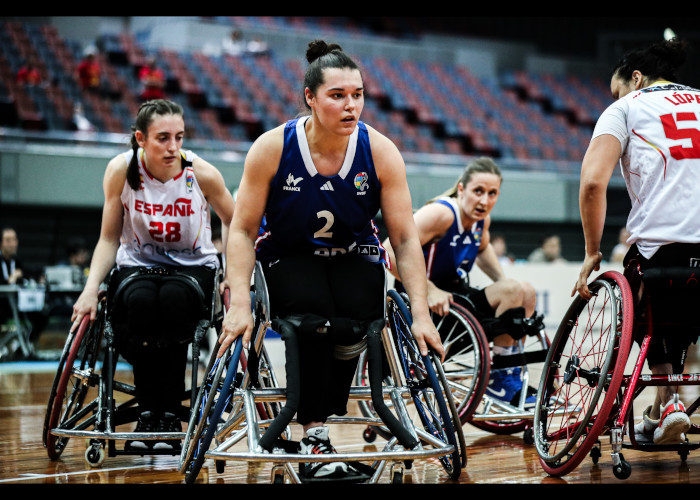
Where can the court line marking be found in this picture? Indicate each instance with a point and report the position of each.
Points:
(30, 476)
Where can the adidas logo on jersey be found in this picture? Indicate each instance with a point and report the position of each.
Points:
(327, 186)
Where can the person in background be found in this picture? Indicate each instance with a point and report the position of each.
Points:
(15, 272)
(235, 45)
(454, 231)
(78, 258)
(622, 247)
(90, 73)
(12, 273)
(77, 255)
(548, 252)
(152, 79)
(29, 75)
(501, 248)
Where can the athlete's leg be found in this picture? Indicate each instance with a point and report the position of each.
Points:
(510, 294)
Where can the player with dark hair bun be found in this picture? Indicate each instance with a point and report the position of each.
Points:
(652, 131)
(319, 180)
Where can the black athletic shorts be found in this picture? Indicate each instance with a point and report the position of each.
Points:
(339, 287)
(670, 341)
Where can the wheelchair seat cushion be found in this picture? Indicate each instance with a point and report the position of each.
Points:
(347, 336)
(127, 276)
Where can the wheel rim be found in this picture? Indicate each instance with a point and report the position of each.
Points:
(585, 362)
(422, 381)
(466, 363)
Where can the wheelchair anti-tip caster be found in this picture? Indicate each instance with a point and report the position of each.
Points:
(369, 435)
(596, 453)
(396, 474)
(278, 474)
(622, 469)
(95, 453)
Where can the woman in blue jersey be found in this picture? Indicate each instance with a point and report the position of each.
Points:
(156, 215)
(319, 181)
(454, 234)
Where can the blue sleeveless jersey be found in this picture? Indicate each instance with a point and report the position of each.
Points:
(456, 250)
(307, 212)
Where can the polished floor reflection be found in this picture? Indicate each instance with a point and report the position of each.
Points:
(492, 459)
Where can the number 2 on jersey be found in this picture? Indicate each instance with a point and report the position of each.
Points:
(325, 232)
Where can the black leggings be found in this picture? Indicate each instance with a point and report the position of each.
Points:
(669, 343)
(345, 286)
(154, 322)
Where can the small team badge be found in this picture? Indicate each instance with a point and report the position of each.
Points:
(361, 181)
(189, 180)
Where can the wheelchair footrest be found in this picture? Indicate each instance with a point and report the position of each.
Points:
(357, 473)
(518, 359)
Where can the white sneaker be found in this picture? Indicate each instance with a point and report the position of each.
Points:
(673, 424)
(644, 430)
(316, 442)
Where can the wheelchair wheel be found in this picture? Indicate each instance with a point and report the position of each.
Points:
(73, 379)
(536, 346)
(467, 358)
(582, 375)
(428, 394)
(213, 399)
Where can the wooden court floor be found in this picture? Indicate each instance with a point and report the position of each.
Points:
(492, 459)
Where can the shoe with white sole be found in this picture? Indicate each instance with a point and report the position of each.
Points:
(673, 424)
(317, 442)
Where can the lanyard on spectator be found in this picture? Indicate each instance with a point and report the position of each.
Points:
(5, 273)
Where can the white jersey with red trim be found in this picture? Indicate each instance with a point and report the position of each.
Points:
(166, 223)
(659, 130)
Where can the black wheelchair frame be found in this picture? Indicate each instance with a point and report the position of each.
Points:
(87, 400)
(241, 402)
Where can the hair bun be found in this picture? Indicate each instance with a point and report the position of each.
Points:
(319, 48)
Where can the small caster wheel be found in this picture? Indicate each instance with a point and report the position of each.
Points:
(277, 475)
(95, 455)
(623, 469)
(369, 435)
(529, 436)
(595, 454)
(396, 475)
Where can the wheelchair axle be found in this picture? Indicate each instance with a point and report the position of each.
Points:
(573, 367)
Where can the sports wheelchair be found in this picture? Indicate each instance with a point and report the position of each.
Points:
(242, 413)
(487, 412)
(469, 362)
(590, 382)
(87, 400)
